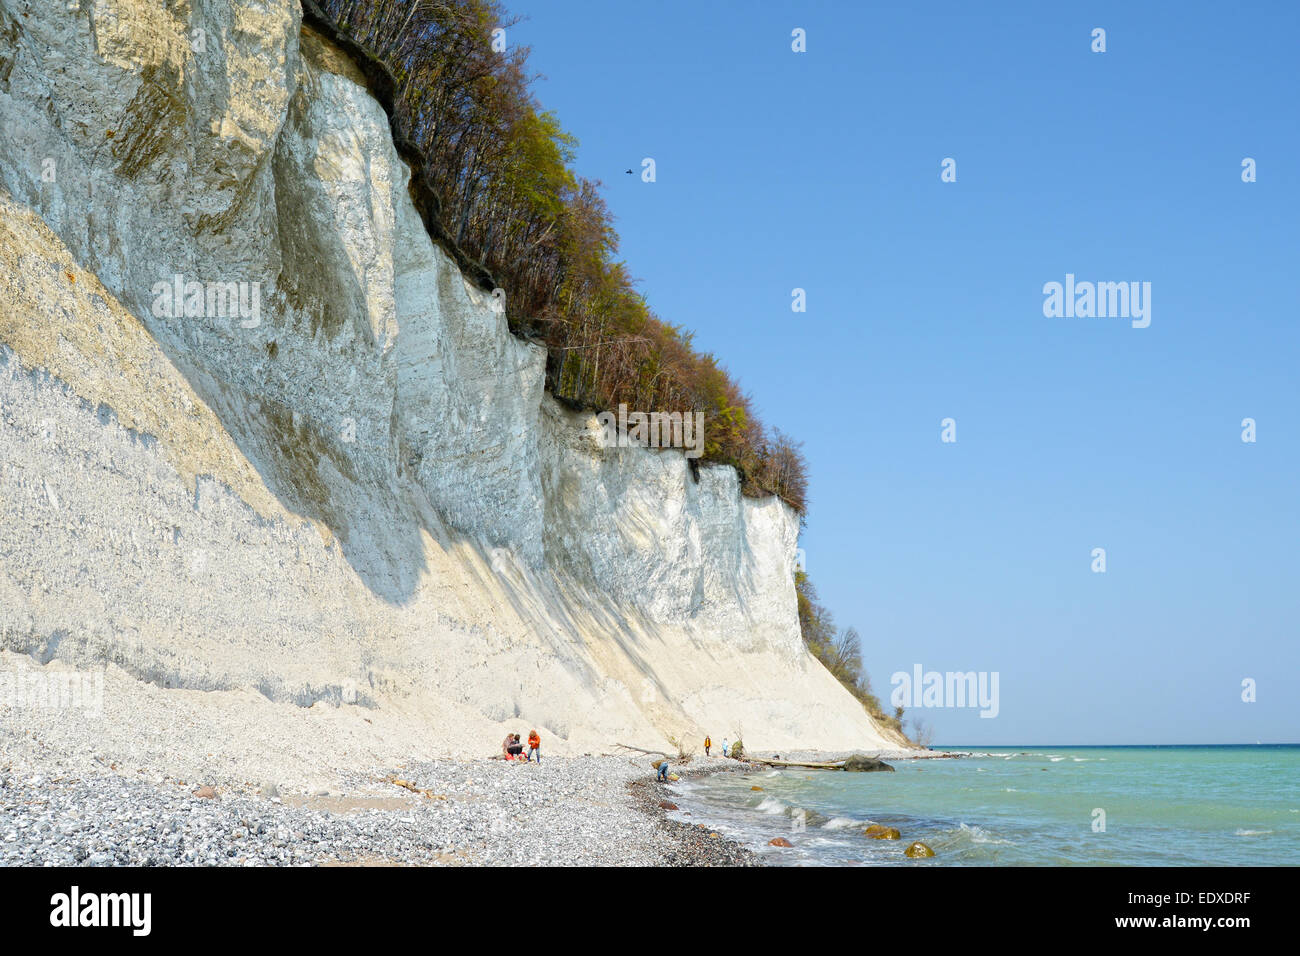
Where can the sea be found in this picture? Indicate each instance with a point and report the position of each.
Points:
(1020, 806)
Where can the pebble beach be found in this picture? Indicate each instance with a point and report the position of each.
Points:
(159, 777)
(581, 811)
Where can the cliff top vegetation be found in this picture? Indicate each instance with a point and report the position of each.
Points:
(493, 178)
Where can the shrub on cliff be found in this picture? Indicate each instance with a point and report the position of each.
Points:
(839, 651)
(494, 182)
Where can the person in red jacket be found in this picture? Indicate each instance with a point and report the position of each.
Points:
(534, 746)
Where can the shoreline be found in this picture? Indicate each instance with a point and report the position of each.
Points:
(579, 811)
(701, 845)
(691, 844)
(56, 809)
(297, 786)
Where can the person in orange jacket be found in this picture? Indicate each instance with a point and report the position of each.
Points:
(534, 746)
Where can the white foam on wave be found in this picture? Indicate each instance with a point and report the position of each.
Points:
(1252, 832)
(978, 834)
(1057, 759)
(840, 823)
(770, 805)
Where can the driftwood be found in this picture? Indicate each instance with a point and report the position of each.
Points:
(407, 785)
(840, 765)
(794, 763)
(763, 760)
(642, 750)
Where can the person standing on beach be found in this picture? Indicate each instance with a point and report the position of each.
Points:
(726, 745)
(707, 744)
(663, 771)
(534, 746)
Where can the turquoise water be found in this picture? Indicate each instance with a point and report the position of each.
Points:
(1164, 806)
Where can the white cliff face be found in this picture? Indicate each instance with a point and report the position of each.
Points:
(359, 494)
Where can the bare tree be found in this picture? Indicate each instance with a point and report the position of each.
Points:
(920, 733)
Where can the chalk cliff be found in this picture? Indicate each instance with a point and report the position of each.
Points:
(353, 492)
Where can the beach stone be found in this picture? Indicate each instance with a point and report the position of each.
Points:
(858, 763)
(756, 788)
(918, 850)
(779, 841)
(878, 832)
(666, 805)
(206, 793)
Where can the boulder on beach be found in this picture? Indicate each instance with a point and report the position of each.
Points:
(918, 849)
(667, 805)
(779, 841)
(878, 832)
(859, 763)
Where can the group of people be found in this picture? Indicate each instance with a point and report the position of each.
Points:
(662, 766)
(513, 749)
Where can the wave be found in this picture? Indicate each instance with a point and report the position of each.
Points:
(840, 823)
(1252, 832)
(978, 834)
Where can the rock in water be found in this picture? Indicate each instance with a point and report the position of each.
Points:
(667, 805)
(918, 849)
(779, 841)
(756, 788)
(878, 832)
(858, 763)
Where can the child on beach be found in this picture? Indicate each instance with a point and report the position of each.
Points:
(663, 772)
(534, 746)
(726, 746)
(511, 747)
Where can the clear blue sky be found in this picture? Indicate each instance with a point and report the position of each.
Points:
(821, 170)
